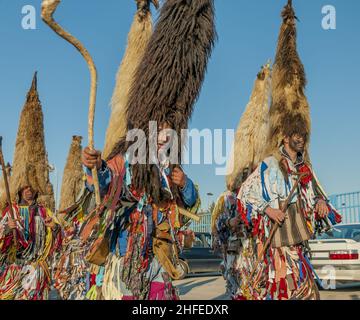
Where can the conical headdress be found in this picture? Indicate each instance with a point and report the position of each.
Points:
(250, 138)
(290, 111)
(169, 78)
(138, 38)
(30, 165)
(72, 182)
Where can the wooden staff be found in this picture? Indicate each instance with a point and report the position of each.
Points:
(190, 215)
(7, 189)
(48, 9)
(274, 228)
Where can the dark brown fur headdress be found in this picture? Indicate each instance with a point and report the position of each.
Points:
(169, 78)
(290, 111)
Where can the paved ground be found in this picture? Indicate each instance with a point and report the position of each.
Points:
(213, 288)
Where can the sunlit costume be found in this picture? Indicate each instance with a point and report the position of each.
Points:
(26, 253)
(129, 246)
(250, 140)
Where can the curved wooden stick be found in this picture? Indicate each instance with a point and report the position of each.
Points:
(48, 9)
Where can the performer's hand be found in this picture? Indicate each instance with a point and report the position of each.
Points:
(235, 222)
(276, 215)
(11, 224)
(178, 177)
(49, 222)
(322, 209)
(91, 158)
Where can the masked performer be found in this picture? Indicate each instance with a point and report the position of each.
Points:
(82, 284)
(250, 140)
(133, 238)
(284, 178)
(25, 259)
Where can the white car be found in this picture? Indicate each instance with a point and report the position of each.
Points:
(335, 254)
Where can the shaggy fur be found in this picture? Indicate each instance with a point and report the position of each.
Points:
(72, 182)
(290, 111)
(250, 138)
(30, 166)
(169, 78)
(138, 38)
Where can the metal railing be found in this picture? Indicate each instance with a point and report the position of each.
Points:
(348, 205)
(204, 225)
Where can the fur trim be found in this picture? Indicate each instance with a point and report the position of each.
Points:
(30, 166)
(169, 78)
(250, 138)
(290, 111)
(72, 182)
(138, 38)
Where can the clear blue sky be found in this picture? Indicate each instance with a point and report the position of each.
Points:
(248, 33)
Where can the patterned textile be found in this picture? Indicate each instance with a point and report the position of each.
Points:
(285, 271)
(133, 228)
(25, 272)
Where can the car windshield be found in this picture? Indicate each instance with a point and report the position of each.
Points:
(351, 232)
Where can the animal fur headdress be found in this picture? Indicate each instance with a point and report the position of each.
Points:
(138, 38)
(169, 78)
(250, 138)
(72, 182)
(30, 165)
(290, 111)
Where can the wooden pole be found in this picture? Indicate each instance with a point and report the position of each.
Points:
(189, 215)
(274, 228)
(7, 189)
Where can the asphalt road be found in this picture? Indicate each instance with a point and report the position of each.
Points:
(213, 288)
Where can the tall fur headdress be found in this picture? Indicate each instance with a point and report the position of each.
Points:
(30, 164)
(169, 78)
(289, 111)
(250, 138)
(138, 38)
(72, 182)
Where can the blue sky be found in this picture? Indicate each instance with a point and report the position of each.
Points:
(247, 32)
